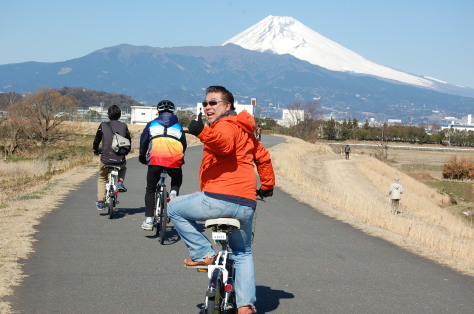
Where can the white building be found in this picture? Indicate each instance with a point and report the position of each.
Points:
(291, 117)
(394, 121)
(142, 114)
(468, 126)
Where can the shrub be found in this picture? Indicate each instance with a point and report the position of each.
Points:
(459, 170)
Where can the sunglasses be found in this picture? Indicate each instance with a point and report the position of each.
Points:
(212, 103)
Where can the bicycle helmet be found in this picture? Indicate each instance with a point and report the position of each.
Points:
(165, 105)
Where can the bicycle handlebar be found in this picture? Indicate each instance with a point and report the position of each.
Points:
(97, 152)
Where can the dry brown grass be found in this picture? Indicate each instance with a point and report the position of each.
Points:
(356, 191)
(30, 205)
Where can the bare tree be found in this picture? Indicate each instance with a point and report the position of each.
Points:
(6, 99)
(13, 130)
(381, 150)
(306, 120)
(46, 109)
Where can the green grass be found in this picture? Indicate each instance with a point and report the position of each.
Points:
(408, 167)
(17, 159)
(461, 190)
(27, 197)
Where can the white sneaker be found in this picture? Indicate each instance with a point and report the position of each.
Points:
(173, 194)
(147, 225)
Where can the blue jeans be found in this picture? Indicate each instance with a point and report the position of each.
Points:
(185, 210)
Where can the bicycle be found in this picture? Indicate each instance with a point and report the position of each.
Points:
(220, 293)
(111, 190)
(161, 218)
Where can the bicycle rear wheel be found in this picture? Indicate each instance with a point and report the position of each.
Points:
(215, 296)
(163, 216)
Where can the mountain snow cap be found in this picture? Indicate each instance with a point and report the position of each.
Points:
(286, 35)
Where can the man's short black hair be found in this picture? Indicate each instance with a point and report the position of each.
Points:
(114, 112)
(225, 94)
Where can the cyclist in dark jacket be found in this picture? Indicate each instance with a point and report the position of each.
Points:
(162, 146)
(109, 157)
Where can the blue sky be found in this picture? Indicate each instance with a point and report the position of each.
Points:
(425, 37)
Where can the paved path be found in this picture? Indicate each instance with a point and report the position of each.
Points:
(305, 262)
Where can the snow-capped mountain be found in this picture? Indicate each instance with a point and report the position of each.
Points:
(286, 35)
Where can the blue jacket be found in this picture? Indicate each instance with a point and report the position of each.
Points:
(163, 141)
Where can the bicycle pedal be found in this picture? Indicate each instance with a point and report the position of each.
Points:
(198, 267)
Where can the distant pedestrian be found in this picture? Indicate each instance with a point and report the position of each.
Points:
(258, 133)
(395, 193)
(347, 150)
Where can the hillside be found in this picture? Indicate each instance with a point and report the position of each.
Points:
(83, 98)
(87, 97)
(356, 191)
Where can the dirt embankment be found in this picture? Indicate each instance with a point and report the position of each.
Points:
(356, 191)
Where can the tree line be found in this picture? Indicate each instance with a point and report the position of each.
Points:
(34, 120)
(313, 128)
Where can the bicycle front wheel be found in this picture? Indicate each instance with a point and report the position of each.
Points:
(111, 208)
(163, 216)
(109, 202)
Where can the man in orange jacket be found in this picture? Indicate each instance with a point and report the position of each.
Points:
(228, 188)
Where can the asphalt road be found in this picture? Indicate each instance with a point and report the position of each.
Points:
(305, 262)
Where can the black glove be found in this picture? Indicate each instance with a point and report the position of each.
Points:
(264, 193)
(195, 127)
(142, 159)
(96, 152)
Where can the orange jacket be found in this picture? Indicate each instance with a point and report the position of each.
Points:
(230, 153)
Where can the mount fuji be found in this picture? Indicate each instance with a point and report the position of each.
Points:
(285, 35)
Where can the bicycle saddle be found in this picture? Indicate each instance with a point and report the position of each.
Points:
(112, 167)
(223, 221)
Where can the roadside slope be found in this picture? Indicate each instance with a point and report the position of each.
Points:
(356, 191)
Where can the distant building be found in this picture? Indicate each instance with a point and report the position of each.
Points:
(142, 114)
(83, 112)
(394, 121)
(291, 117)
(467, 126)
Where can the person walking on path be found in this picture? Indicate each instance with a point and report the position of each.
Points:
(347, 150)
(105, 134)
(395, 193)
(228, 189)
(162, 146)
(258, 133)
